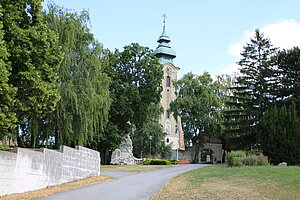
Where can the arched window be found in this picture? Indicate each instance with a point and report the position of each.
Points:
(168, 140)
(168, 127)
(168, 81)
(168, 114)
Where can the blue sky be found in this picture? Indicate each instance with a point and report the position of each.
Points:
(206, 35)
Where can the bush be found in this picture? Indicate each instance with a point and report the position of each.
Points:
(145, 162)
(3, 148)
(249, 161)
(234, 158)
(237, 162)
(239, 158)
(158, 162)
(262, 160)
(173, 162)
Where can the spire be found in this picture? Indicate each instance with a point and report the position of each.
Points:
(164, 52)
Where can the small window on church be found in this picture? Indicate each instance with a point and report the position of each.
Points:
(168, 114)
(168, 81)
(168, 140)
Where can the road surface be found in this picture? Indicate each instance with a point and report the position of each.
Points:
(126, 186)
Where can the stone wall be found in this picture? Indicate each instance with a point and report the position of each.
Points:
(24, 170)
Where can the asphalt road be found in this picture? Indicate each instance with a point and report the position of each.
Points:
(127, 186)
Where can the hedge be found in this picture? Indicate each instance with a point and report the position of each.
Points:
(159, 162)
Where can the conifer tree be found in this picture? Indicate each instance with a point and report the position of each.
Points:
(288, 64)
(251, 96)
(279, 135)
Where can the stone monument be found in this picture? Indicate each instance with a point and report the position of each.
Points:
(124, 155)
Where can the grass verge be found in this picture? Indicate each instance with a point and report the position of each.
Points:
(58, 188)
(131, 168)
(221, 182)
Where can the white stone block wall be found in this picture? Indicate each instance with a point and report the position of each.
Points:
(24, 170)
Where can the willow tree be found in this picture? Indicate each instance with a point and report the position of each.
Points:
(83, 109)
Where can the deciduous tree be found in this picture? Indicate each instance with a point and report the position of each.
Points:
(7, 91)
(33, 56)
(136, 84)
(82, 112)
(198, 104)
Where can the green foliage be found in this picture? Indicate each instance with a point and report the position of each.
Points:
(234, 158)
(135, 88)
(279, 132)
(7, 92)
(82, 112)
(151, 127)
(249, 161)
(240, 158)
(262, 160)
(4, 148)
(238, 154)
(159, 162)
(33, 58)
(173, 162)
(251, 96)
(288, 63)
(198, 104)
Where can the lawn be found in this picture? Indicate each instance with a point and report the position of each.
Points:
(221, 182)
(131, 168)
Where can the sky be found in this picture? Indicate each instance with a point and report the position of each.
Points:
(206, 35)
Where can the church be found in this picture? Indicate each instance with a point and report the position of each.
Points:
(171, 126)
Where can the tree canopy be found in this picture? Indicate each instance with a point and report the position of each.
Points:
(7, 92)
(251, 95)
(279, 135)
(31, 61)
(82, 111)
(198, 105)
(136, 84)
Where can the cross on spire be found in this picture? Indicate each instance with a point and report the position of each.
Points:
(165, 17)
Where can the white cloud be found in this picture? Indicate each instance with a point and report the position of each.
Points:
(285, 34)
(230, 69)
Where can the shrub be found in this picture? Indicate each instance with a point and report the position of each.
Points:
(239, 158)
(145, 162)
(156, 162)
(3, 148)
(237, 162)
(173, 162)
(160, 162)
(262, 160)
(234, 158)
(249, 161)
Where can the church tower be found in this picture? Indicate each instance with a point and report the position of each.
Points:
(171, 126)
